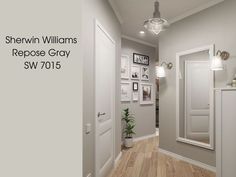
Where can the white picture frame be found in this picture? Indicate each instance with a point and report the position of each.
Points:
(146, 94)
(144, 73)
(125, 66)
(125, 91)
(135, 96)
(135, 72)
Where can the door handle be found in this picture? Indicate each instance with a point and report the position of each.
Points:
(101, 114)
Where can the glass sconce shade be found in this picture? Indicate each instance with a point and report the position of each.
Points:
(160, 71)
(217, 63)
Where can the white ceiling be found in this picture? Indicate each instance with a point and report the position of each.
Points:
(132, 13)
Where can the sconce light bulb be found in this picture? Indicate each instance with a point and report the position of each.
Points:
(160, 71)
(216, 63)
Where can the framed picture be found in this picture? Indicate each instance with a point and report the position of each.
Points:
(135, 86)
(135, 72)
(140, 59)
(146, 93)
(125, 91)
(135, 96)
(144, 73)
(124, 70)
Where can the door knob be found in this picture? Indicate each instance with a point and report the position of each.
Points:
(101, 114)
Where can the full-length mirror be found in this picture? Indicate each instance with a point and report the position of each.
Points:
(194, 105)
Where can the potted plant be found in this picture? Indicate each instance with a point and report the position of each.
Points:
(129, 127)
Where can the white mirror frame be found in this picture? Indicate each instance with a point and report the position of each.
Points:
(210, 146)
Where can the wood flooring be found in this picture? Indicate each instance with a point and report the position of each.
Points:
(144, 160)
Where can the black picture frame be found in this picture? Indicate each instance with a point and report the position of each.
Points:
(140, 59)
(135, 86)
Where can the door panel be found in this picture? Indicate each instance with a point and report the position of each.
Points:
(197, 125)
(104, 84)
(197, 99)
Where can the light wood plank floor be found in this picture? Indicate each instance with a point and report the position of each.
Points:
(143, 160)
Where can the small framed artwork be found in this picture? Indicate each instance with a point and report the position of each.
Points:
(135, 86)
(140, 59)
(124, 67)
(144, 73)
(125, 91)
(135, 72)
(135, 96)
(146, 93)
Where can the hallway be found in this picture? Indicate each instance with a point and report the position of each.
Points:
(143, 160)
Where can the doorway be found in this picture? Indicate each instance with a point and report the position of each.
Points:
(104, 101)
(157, 106)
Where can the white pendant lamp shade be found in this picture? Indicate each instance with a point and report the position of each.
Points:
(217, 63)
(156, 24)
(160, 71)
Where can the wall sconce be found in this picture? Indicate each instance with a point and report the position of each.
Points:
(160, 70)
(216, 62)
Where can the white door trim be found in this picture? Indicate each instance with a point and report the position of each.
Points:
(97, 25)
(210, 146)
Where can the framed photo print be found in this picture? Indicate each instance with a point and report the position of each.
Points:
(135, 86)
(146, 93)
(135, 72)
(144, 73)
(125, 91)
(124, 70)
(140, 59)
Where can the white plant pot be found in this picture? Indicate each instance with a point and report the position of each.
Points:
(129, 142)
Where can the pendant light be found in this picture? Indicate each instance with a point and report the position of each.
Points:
(156, 24)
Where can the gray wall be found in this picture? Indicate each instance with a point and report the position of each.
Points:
(144, 114)
(215, 25)
(41, 110)
(100, 10)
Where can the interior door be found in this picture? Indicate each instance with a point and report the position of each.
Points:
(104, 84)
(197, 109)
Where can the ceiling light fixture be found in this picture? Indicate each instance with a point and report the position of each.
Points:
(216, 62)
(141, 32)
(156, 24)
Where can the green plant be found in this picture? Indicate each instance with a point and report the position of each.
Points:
(129, 123)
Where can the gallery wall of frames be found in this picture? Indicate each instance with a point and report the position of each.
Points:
(135, 79)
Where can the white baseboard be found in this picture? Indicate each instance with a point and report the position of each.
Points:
(191, 161)
(117, 159)
(144, 137)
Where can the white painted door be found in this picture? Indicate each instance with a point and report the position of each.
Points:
(104, 92)
(197, 95)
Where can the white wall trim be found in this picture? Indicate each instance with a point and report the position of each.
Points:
(195, 10)
(116, 11)
(191, 161)
(144, 137)
(138, 41)
(118, 158)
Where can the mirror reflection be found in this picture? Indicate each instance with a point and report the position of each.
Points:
(195, 82)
